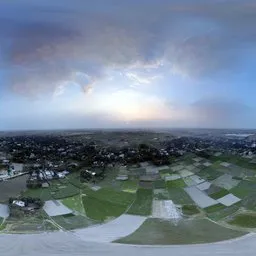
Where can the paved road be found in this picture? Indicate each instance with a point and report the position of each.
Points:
(61, 243)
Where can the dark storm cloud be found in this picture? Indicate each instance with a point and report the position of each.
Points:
(44, 42)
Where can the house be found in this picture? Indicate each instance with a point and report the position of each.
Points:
(17, 167)
(19, 203)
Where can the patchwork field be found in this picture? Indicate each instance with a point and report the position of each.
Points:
(162, 232)
(179, 196)
(191, 192)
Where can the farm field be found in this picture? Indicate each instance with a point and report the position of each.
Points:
(219, 213)
(106, 203)
(176, 183)
(162, 232)
(75, 203)
(244, 189)
(143, 203)
(190, 209)
(70, 221)
(245, 220)
(29, 224)
(129, 186)
(179, 196)
(201, 192)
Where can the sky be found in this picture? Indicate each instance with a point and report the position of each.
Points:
(127, 64)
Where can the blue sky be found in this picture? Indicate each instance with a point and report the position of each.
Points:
(117, 63)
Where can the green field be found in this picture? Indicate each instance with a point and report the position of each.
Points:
(74, 179)
(244, 220)
(75, 203)
(143, 202)
(225, 212)
(179, 183)
(179, 196)
(70, 221)
(112, 196)
(64, 190)
(220, 194)
(129, 186)
(244, 189)
(215, 208)
(162, 232)
(42, 193)
(190, 209)
(106, 203)
(101, 210)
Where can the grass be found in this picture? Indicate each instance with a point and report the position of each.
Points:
(106, 203)
(220, 194)
(215, 208)
(101, 210)
(179, 196)
(42, 193)
(244, 189)
(69, 222)
(244, 220)
(225, 212)
(143, 203)
(75, 203)
(190, 209)
(179, 183)
(163, 232)
(74, 179)
(67, 190)
(112, 196)
(129, 186)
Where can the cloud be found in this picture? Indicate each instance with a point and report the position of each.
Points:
(215, 112)
(47, 42)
